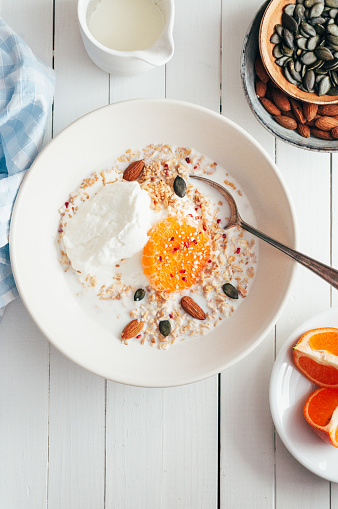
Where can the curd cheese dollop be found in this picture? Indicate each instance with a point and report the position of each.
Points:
(109, 226)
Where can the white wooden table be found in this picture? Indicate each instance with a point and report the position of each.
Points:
(70, 439)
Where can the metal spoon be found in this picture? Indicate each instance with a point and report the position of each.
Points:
(324, 271)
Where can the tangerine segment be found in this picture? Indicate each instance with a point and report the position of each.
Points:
(321, 412)
(316, 356)
(175, 254)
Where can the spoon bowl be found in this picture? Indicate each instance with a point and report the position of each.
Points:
(327, 273)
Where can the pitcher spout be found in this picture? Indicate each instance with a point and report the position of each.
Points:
(160, 53)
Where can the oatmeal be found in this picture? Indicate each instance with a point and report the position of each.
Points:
(188, 253)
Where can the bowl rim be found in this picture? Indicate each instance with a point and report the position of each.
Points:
(220, 366)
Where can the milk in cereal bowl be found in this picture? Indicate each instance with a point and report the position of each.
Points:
(131, 273)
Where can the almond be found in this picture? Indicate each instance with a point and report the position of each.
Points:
(133, 171)
(304, 130)
(289, 114)
(328, 110)
(260, 88)
(193, 309)
(270, 107)
(297, 111)
(324, 135)
(132, 329)
(281, 100)
(310, 111)
(312, 122)
(334, 132)
(287, 122)
(260, 70)
(326, 123)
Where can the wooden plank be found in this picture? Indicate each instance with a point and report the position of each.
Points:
(77, 398)
(23, 411)
(307, 175)
(24, 351)
(247, 444)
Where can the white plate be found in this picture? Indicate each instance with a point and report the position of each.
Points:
(289, 390)
(88, 145)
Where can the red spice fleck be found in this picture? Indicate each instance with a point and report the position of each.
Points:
(182, 271)
(204, 228)
(60, 230)
(175, 248)
(238, 250)
(152, 179)
(195, 241)
(187, 159)
(166, 166)
(160, 258)
(171, 275)
(171, 316)
(209, 261)
(224, 236)
(67, 204)
(195, 167)
(218, 221)
(139, 336)
(190, 215)
(196, 208)
(183, 279)
(172, 238)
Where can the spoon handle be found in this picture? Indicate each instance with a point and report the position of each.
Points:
(324, 271)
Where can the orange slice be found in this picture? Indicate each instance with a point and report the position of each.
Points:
(321, 412)
(175, 254)
(316, 356)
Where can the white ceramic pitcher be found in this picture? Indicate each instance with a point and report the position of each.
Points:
(129, 63)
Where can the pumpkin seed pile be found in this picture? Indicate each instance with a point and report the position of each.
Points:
(306, 45)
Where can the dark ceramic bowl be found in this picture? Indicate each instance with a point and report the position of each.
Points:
(249, 53)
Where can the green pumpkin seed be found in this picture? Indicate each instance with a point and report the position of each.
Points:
(281, 61)
(289, 77)
(332, 3)
(164, 327)
(324, 86)
(308, 58)
(310, 3)
(288, 38)
(333, 39)
(331, 66)
(313, 42)
(139, 294)
(334, 78)
(315, 65)
(279, 29)
(332, 29)
(275, 39)
(316, 21)
(286, 51)
(230, 291)
(289, 22)
(298, 66)
(323, 53)
(308, 29)
(180, 186)
(289, 9)
(316, 10)
(333, 91)
(333, 13)
(277, 52)
(309, 80)
(302, 43)
(320, 29)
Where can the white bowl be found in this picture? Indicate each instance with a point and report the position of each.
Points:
(87, 145)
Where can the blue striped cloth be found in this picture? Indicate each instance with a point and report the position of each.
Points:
(26, 97)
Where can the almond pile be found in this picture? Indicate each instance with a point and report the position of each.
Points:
(308, 119)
